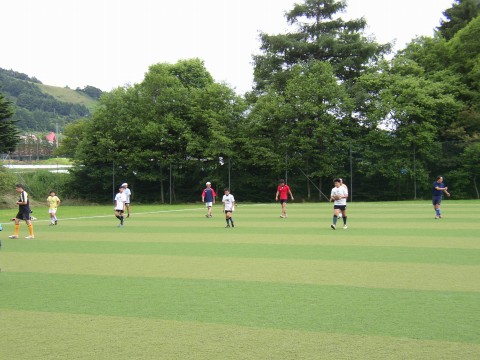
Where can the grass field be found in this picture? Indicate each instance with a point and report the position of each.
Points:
(172, 284)
(69, 95)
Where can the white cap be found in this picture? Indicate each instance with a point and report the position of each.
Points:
(124, 184)
(208, 183)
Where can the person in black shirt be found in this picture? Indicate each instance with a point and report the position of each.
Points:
(23, 213)
(437, 193)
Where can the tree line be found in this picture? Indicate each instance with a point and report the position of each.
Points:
(327, 102)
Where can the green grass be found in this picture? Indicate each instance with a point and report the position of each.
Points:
(171, 284)
(69, 95)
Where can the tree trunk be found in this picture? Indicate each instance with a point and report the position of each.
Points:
(162, 190)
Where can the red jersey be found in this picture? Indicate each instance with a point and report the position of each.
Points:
(283, 192)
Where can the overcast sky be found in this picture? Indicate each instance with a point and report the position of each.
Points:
(111, 43)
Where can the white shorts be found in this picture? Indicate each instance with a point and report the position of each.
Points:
(209, 204)
(52, 211)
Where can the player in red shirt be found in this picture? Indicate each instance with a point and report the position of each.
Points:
(282, 193)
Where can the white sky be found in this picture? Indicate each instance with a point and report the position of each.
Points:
(110, 43)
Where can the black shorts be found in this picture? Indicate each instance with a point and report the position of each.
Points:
(340, 207)
(119, 211)
(23, 214)
(228, 211)
(283, 201)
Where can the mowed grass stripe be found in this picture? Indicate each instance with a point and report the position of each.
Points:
(359, 274)
(427, 315)
(355, 237)
(256, 251)
(119, 338)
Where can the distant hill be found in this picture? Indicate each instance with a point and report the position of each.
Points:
(40, 107)
(70, 96)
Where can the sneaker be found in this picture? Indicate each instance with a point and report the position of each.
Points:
(227, 226)
(120, 225)
(30, 237)
(56, 222)
(51, 224)
(333, 227)
(233, 225)
(436, 217)
(283, 217)
(439, 216)
(13, 237)
(345, 226)
(206, 215)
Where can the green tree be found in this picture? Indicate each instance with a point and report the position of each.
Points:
(470, 166)
(455, 64)
(319, 36)
(458, 16)
(408, 113)
(8, 131)
(177, 116)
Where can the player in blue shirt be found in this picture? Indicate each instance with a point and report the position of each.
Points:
(208, 197)
(438, 189)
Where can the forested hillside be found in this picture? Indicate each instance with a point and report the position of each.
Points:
(39, 107)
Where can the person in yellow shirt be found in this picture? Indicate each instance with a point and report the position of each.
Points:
(53, 202)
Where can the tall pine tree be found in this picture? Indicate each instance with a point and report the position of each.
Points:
(8, 131)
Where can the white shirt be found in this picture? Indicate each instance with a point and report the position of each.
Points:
(120, 200)
(340, 191)
(127, 194)
(228, 201)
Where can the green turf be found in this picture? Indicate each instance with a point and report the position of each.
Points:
(173, 284)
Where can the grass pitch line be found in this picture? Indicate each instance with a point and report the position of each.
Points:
(137, 213)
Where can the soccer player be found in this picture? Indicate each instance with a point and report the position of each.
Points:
(228, 207)
(283, 191)
(119, 208)
(208, 197)
(23, 213)
(346, 188)
(438, 189)
(53, 202)
(339, 196)
(128, 194)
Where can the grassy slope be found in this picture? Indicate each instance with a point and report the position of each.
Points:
(69, 95)
(172, 284)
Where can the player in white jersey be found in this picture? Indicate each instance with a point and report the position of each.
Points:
(228, 207)
(119, 208)
(128, 194)
(339, 196)
(346, 188)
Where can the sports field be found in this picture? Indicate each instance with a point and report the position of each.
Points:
(172, 284)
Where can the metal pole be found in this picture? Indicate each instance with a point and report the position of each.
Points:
(229, 172)
(113, 178)
(56, 135)
(351, 174)
(286, 167)
(414, 174)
